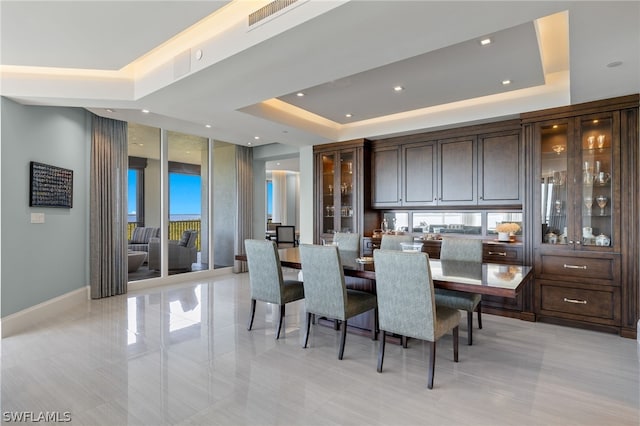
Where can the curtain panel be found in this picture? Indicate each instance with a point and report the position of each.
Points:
(244, 207)
(108, 202)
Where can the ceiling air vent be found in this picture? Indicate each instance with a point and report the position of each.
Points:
(268, 10)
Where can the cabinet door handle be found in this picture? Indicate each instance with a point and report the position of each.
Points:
(499, 253)
(579, 302)
(575, 266)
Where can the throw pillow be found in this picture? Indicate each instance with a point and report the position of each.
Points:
(184, 240)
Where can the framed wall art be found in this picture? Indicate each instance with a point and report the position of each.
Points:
(50, 186)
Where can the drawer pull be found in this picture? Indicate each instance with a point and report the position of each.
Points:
(579, 302)
(499, 253)
(575, 266)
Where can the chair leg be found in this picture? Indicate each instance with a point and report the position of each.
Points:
(343, 337)
(404, 340)
(374, 329)
(306, 336)
(336, 325)
(381, 350)
(479, 309)
(252, 313)
(455, 344)
(280, 322)
(432, 363)
(470, 328)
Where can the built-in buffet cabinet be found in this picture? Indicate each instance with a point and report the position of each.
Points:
(469, 166)
(584, 187)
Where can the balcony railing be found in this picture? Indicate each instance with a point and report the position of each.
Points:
(176, 228)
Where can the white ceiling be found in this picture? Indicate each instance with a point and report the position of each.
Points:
(346, 56)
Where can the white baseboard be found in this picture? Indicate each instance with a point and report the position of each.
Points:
(23, 320)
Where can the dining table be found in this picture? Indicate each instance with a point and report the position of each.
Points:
(492, 279)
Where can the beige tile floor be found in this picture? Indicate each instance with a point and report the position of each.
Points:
(182, 355)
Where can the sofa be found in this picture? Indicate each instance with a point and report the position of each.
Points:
(140, 238)
(182, 253)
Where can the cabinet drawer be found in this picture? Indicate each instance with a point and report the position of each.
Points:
(577, 267)
(501, 253)
(586, 303)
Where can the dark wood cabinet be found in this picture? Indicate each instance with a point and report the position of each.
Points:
(419, 174)
(342, 200)
(584, 254)
(471, 166)
(457, 171)
(387, 177)
(500, 169)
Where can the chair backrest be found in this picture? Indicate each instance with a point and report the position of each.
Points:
(404, 288)
(265, 272)
(188, 238)
(461, 268)
(286, 234)
(325, 292)
(466, 249)
(392, 242)
(347, 241)
(142, 235)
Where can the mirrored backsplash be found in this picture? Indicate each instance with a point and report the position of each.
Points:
(449, 222)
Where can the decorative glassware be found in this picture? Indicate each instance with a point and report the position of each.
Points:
(601, 139)
(558, 205)
(588, 202)
(591, 140)
(602, 203)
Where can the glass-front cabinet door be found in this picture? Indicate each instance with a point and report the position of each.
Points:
(346, 192)
(556, 205)
(328, 193)
(577, 174)
(338, 188)
(597, 169)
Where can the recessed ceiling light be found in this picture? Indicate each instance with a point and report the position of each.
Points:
(506, 82)
(485, 41)
(348, 115)
(614, 64)
(145, 111)
(555, 126)
(398, 88)
(248, 143)
(595, 121)
(256, 137)
(208, 126)
(277, 164)
(300, 94)
(109, 110)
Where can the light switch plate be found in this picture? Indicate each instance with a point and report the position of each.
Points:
(37, 217)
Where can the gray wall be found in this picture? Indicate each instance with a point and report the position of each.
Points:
(42, 261)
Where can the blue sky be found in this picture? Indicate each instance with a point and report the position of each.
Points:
(184, 193)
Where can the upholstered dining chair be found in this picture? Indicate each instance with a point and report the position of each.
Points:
(266, 279)
(286, 236)
(326, 294)
(467, 250)
(393, 242)
(406, 303)
(347, 241)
